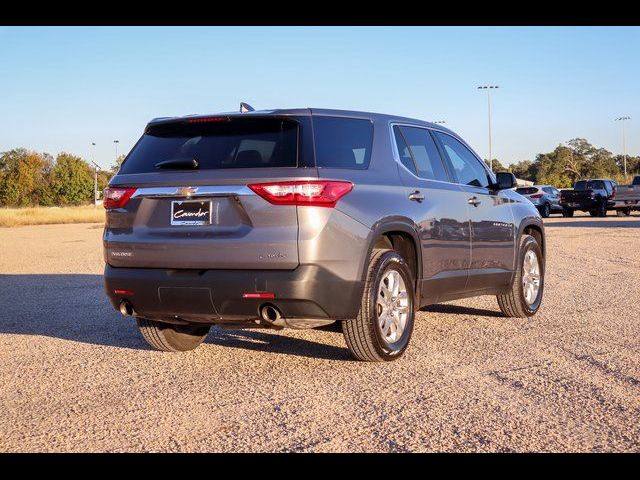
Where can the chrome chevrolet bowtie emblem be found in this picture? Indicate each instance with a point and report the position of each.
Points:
(186, 191)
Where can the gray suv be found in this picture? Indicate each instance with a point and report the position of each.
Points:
(299, 218)
(546, 198)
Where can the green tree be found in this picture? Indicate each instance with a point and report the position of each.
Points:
(71, 180)
(23, 177)
(633, 166)
(497, 166)
(116, 166)
(524, 170)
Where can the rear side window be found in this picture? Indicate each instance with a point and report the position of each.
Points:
(466, 166)
(235, 143)
(343, 142)
(417, 142)
(404, 152)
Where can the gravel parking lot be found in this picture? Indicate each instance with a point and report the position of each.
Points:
(76, 376)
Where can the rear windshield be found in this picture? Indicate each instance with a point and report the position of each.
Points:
(586, 185)
(342, 142)
(235, 143)
(526, 190)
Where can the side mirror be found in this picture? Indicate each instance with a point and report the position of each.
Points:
(505, 180)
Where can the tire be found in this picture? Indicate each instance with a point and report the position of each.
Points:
(545, 211)
(364, 334)
(602, 209)
(567, 212)
(623, 212)
(513, 302)
(593, 213)
(171, 338)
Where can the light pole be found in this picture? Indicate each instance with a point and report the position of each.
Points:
(116, 143)
(95, 183)
(624, 144)
(95, 175)
(488, 88)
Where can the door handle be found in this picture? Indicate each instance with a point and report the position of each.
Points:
(416, 196)
(474, 201)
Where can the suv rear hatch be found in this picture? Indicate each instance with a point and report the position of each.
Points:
(190, 206)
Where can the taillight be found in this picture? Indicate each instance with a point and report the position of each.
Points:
(117, 197)
(317, 193)
(537, 195)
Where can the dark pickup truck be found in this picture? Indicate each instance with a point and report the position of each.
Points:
(627, 197)
(595, 196)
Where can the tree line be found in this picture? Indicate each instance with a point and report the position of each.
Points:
(573, 161)
(29, 178)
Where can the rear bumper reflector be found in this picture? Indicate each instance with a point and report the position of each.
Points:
(258, 295)
(123, 292)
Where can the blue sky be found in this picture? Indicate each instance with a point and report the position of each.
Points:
(62, 88)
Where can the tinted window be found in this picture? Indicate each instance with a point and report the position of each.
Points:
(342, 142)
(548, 190)
(403, 151)
(238, 143)
(424, 153)
(466, 167)
(526, 190)
(591, 184)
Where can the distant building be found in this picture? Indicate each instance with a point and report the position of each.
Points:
(523, 183)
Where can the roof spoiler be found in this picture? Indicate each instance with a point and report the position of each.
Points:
(245, 107)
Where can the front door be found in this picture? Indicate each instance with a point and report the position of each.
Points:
(490, 214)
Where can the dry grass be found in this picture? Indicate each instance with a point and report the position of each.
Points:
(12, 217)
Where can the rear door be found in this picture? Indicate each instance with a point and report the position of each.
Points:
(207, 217)
(492, 222)
(440, 210)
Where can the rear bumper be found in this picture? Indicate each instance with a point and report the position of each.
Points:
(622, 204)
(584, 205)
(215, 296)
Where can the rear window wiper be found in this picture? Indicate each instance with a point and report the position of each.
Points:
(178, 163)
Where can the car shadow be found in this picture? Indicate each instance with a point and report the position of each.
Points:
(70, 307)
(460, 310)
(269, 342)
(75, 307)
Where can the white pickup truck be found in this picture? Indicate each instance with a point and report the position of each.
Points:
(627, 197)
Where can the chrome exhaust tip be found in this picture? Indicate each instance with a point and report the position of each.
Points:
(270, 314)
(126, 309)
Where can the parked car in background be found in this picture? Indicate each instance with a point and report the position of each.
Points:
(546, 198)
(595, 196)
(300, 218)
(627, 197)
